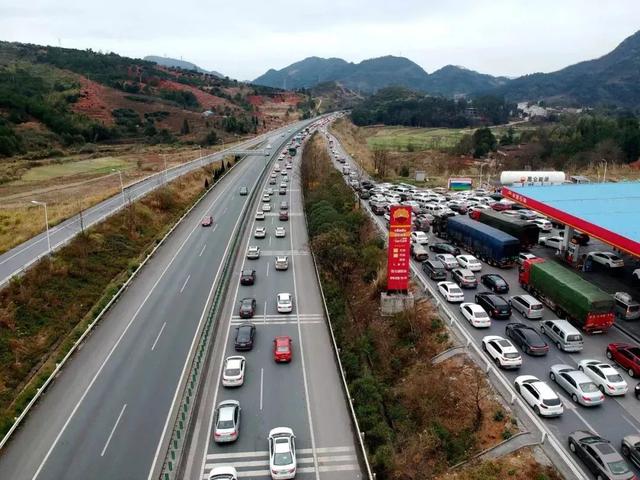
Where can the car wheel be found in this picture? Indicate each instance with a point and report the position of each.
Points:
(609, 354)
(517, 388)
(552, 376)
(582, 370)
(625, 451)
(542, 330)
(574, 397)
(631, 373)
(599, 477)
(600, 387)
(527, 350)
(572, 446)
(559, 345)
(484, 346)
(537, 410)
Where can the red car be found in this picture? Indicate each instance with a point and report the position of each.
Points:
(207, 221)
(282, 350)
(626, 355)
(499, 207)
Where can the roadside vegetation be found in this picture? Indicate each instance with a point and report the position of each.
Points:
(45, 311)
(418, 419)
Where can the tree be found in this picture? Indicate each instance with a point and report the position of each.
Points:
(210, 139)
(185, 127)
(483, 142)
(206, 184)
(380, 161)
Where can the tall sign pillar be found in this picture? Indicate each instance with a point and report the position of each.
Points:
(397, 297)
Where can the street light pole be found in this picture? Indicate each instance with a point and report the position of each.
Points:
(604, 177)
(166, 174)
(121, 184)
(46, 222)
(480, 176)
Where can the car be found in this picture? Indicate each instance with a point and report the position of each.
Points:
(419, 237)
(626, 355)
(276, 168)
(282, 349)
(470, 262)
(539, 396)
(464, 278)
(577, 237)
(224, 472)
(283, 215)
(448, 260)
(260, 232)
(475, 314)
(542, 224)
(266, 198)
(282, 191)
(451, 292)
(527, 338)
(553, 242)
(284, 303)
(528, 306)
(495, 305)
(607, 259)
(253, 252)
(577, 384)
(599, 456)
(525, 256)
(233, 371)
(282, 263)
(434, 269)
(500, 207)
(282, 453)
(227, 422)
(259, 215)
(444, 248)
(289, 166)
(280, 232)
(495, 282)
(269, 191)
(631, 448)
(245, 334)
(207, 221)
(502, 351)
(606, 377)
(244, 191)
(284, 205)
(283, 185)
(247, 307)
(248, 276)
(266, 207)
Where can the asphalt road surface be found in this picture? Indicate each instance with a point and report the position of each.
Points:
(104, 415)
(614, 419)
(20, 257)
(305, 394)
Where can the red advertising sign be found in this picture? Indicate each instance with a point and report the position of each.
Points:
(399, 248)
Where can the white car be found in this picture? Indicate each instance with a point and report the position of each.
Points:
(543, 225)
(260, 232)
(451, 292)
(233, 371)
(608, 259)
(280, 232)
(282, 263)
(276, 168)
(227, 422)
(469, 262)
(448, 260)
(544, 401)
(253, 252)
(224, 472)
(266, 207)
(282, 453)
(289, 167)
(269, 191)
(419, 238)
(525, 256)
(553, 242)
(259, 215)
(577, 384)
(265, 197)
(475, 314)
(606, 377)
(284, 303)
(502, 351)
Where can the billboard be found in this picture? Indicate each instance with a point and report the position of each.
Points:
(459, 184)
(399, 248)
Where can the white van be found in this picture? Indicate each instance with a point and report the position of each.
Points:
(566, 337)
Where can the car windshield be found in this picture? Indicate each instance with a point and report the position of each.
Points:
(232, 372)
(536, 306)
(617, 378)
(551, 402)
(588, 387)
(512, 355)
(618, 468)
(282, 348)
(455, 291)
(225, 424)
(482, 314)
(282, 458)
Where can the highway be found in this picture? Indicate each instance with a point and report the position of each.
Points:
(616, 418)
(105, 414)
(305, 394)
(20, 257)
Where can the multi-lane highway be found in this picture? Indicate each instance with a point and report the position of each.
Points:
(305, 394)
(105, 414)
(20, 257)
(617, 417)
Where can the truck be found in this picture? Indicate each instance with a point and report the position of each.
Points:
(568, 294)
(487, 243)
(527, 233)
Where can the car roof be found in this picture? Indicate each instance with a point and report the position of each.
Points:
(475, 307)
(283, 340)
(546, 392)
(234, 362)
(284, 296)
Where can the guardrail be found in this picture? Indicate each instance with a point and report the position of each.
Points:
(345, 388)
(113, 299)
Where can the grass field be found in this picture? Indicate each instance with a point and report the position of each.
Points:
(413, 139)
(64, 169)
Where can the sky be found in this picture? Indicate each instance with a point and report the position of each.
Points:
(244, 39)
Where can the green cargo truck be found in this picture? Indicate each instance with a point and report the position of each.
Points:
(567, 294)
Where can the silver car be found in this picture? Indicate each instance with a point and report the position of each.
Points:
(576, 384)
(227, 422)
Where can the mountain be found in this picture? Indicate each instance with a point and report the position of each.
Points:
(175, 63)
(376, 73)
(613, 79)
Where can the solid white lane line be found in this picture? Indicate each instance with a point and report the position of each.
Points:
(265, 311)
(158, 337)
(261, 385)
(202, 251)
(113, 430)
(185, 283)
(629, 422)
(269, 263)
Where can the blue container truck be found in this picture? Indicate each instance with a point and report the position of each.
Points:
(487, 243)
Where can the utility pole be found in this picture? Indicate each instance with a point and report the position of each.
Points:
(121, 184)
(80, 215)
(46, 221)
(482, 165)
(604, 177)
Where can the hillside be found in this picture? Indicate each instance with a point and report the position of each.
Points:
(609, 80)
(182, 64)
(331, 96)
(371, 75)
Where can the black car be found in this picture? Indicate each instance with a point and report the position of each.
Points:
(495, 282)
(248, 277)
(527, 338)
(247, 307)
(599, 456)
(444, 248)
(495, 305)
(244, 336)
(244, 191)
(435, 269)
(282, 191)
(366, 184)
(364, 194)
